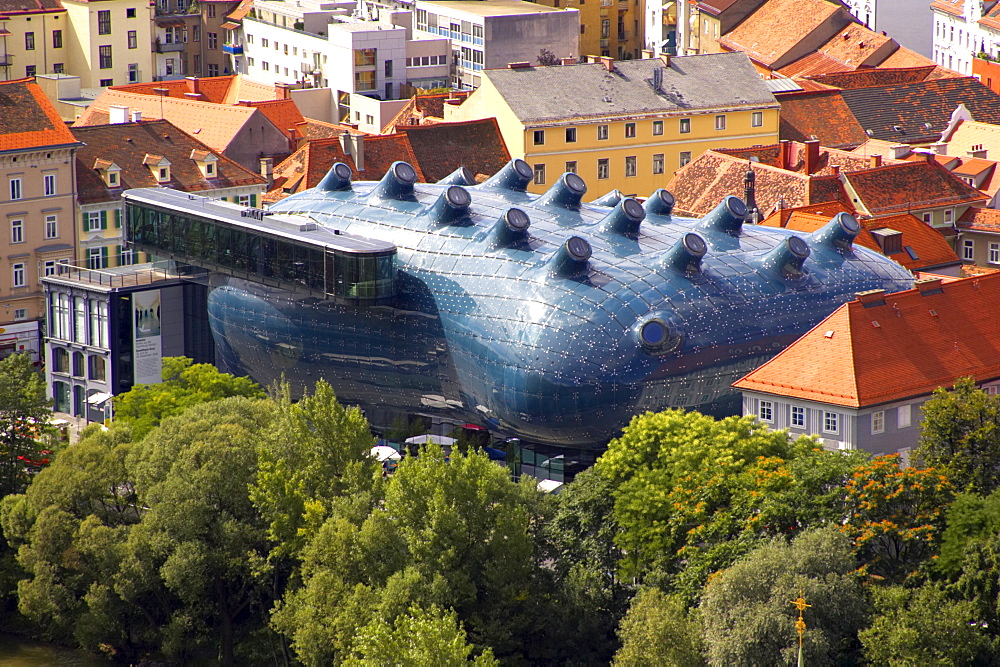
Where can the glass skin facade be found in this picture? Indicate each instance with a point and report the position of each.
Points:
(523, 332)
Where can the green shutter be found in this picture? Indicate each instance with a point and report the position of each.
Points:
(104, 219)
(104, 257)
(118, 254)
(253, 200)
(118, 218)
(224, 199)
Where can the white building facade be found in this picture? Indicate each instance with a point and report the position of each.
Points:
(962, 30)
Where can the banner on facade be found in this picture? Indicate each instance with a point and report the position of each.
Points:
(146, 336)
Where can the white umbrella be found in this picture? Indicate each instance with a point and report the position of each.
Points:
(383, 454)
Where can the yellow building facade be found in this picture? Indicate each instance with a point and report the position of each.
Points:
(615, 128)
(607, 27)
(109, 42)
(33, 41)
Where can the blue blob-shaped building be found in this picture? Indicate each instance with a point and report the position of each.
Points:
(541, 317)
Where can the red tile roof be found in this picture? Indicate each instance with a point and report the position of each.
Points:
(829, 161)
(871, 77)
(228, 89)
(777, 28)
(903, 347)
(284, 114)
(421, 107)
(813, 64)
(824, 115)
(991, 19)
(954, 7)
(904, 57)
(440, 149)
(27, 118)
(980, 220)
(899, 188)
(127, 146)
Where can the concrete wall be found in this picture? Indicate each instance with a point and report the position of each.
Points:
(519, 38)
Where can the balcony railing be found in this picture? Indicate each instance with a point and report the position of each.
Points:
(160, 47)
(233, 49)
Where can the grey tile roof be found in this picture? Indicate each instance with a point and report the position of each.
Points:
(710, 81)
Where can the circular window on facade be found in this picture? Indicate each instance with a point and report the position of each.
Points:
(657, 337)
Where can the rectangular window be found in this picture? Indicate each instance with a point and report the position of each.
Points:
(211, 11)
(96, 368)
(58, 68)
(133, 41)
(602, 133)
(798, 416)
(97, 258)
(831, 423)
(29, 41)
(57, 39)
(685, 125)
(104, 22)
(603, 168)
(571, 167)
(50, 267)
(17, 231)
(994, 253)
(20, 277)
(720, 122)
(51, 227)
(765, 411)
(130, 13)
(878, 422)
(685, 157)
(364, 80)
(15, 188)
(196, 35)
(948, 215)
(538, 137)
(539, 174)
(657, 128)
(104, 56)
(570, 135)
(49, 181)
(658, 163)
(213, 39)
(968, 250)
(757, 119)
(20, 313)
(903, 416)
(629, 130)
(629, 165)
(927, 218)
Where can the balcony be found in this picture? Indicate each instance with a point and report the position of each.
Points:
(160, 47)
(233, 49)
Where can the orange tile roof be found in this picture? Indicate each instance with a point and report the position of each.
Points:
(980, 220)
(903, 347)
(824, 115)
(972, 135)
(901, 187)
(440, 149)
(955, 7)
(904, 57)
(813, 64)
(777, 27)
(284, 114)
(871, 77)
(229, 89)
(27, 118)
(972, 166)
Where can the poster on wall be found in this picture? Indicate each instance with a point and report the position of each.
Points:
(146, 336)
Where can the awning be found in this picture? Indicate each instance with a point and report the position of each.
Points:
(230, 25)
(169, 20)
(98, 398)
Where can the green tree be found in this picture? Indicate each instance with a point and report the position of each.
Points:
(659, 631)
(960, 434)
(693, 494)
(970, 518)
(184, 384)
(895, 516)
(417, 638)
(24, 414)
(922, 627)
(747, 616)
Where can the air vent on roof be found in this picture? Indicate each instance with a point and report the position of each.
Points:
(927, 126)
(870, 133)
(608, 100)
(933, 312)
(875, 324)
(828, 334)
(897, 128)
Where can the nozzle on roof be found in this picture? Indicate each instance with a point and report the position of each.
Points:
(660, 202)
(787, 257)
(338, 178)
(567, 192)
(452, 207)
(610, 200)
(625, 219)
(839, 233)
(570, 260)
(397, 183)
(510, 228)
(460, 176)
(515, 175)
(727, 217)
(687, 253)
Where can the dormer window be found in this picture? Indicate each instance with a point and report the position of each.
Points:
(159, 166)
(206, 161)
(109, 171)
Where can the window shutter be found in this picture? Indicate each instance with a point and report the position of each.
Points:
(104, 257)
(118, 218)
(118, 254)
(253, 200)
(104, 219)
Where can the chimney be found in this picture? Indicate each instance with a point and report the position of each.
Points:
(117, 114)
(941, 148)
(518, 65)
(874, 161)
(930, 158)
(784, 153)
(981, 153)
(812, 155)
(929, 286)
(608, 62)
(354, 145)
(665, 57)
(835, 168)
(871, 298)
(283, 91)
(267, 170)
(567, 61)
(136, 115)
(899, 151)
(193, 85)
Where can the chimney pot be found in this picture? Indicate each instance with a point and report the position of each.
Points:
(874, 297)
(608, 62)
(835, 169)
(665, 57)
(136, 115)
(812, 155)
(874, 161)
(926, 285)
(193, 85)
